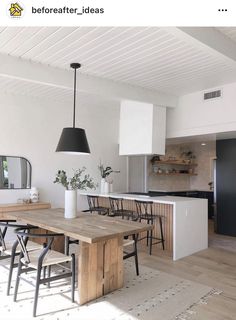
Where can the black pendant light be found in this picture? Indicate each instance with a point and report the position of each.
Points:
(73, 140)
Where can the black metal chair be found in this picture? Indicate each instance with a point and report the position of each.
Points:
(134, 253)
(42, 259)
(69, 241)
(93, 202)
(11, 249)
(117, 209)
(145, 213)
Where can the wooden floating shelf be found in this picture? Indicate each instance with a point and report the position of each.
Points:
(176, 163)
(175, 174)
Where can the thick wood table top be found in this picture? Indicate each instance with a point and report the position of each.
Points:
(86, 227)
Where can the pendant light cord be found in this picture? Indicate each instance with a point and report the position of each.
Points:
(74, 98)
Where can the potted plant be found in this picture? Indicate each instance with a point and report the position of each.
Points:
(189, 155)
(105, 172)
(79, 181)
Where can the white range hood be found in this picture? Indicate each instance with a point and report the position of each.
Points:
(142, 128)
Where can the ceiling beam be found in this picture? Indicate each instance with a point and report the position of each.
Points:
(209, 39)
(16, 68)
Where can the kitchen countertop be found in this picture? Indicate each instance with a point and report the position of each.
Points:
(159, 199)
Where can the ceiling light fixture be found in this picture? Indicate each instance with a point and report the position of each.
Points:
(203, 144)
(73, 140)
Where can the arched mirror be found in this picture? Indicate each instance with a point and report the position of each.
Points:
(15, 173)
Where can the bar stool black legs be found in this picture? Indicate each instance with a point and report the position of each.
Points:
(161, 230)
(145, 213)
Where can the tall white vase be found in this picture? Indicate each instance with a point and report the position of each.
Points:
(102, 186)
(70, 204)
(106, 187)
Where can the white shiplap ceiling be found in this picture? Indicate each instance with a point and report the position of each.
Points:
(149, 57)
(230, 32)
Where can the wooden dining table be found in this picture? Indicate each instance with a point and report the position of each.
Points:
(100, 263)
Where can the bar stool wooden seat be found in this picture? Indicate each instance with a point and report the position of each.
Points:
(145, 213)
(42, 259)
(11, 249)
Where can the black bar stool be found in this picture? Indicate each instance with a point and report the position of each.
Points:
(94, 206)
(145, 213)
(117, 209)
(69, 241)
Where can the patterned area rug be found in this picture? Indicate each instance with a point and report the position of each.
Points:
(154, 295)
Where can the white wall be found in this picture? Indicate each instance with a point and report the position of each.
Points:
(136, 173)
(194, 116)
(31, 127)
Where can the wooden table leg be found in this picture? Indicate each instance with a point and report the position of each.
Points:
(100, 268)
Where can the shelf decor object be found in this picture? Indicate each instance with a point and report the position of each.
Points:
(73, 140)
(34, 195)
(171, 167)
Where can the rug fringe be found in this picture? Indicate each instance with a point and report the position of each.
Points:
(187, 314)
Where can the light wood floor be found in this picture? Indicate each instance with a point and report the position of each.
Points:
(215, 267)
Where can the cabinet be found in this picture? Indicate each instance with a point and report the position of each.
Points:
(142, 128)
(11, 207)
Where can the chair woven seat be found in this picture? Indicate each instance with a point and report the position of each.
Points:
(128, 242)
(52, 257)
(11, 248)
(40, 260)
(100, 210)
(30, 246)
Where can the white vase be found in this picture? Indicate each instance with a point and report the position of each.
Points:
(106, 187)
(34, 194)
(70, 204)
(110, 187)
(102, 185)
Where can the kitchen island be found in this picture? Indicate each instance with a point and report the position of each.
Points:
(185, 220)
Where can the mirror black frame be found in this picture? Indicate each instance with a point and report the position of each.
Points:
(30, 175)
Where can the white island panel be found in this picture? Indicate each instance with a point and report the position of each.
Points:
(190, 228)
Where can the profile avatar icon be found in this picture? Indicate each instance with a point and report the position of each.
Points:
(15, 10)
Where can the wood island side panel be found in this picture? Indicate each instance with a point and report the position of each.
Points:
(163, 209)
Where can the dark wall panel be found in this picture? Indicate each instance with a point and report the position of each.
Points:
(226, 186)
